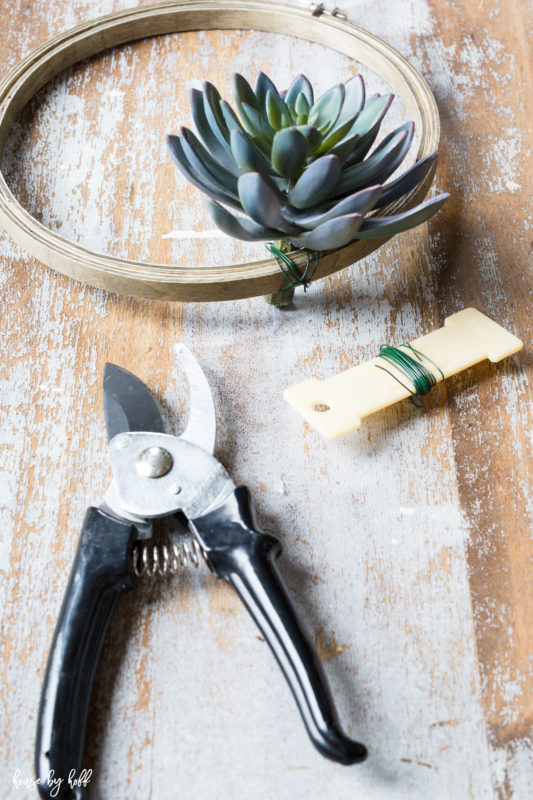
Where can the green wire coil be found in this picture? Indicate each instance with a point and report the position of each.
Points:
(290, 270)
(414, 369)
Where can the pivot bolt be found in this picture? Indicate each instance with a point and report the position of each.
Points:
(154, 462)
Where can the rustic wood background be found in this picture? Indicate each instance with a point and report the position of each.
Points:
(407, 545)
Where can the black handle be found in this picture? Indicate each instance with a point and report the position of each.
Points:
(238, 552)
(100, 573)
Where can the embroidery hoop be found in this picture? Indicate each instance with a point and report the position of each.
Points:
(225, 282)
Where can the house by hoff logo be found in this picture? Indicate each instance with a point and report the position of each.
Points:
(54, 784)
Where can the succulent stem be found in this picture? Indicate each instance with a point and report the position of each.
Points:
(283, 297)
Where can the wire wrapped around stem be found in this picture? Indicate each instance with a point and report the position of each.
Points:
(279, 249)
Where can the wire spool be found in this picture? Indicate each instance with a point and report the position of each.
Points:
(224, 282)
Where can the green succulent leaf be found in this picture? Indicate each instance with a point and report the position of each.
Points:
(359, 202)
(243, 92)
(260, 200)
(300, 85)
(247, 155)
(331, 234)
(312, 136)
(335, 136)
(238, 227)
(297, 168)
(205, 131)
(263, 85)
(204, 164)
(354, 96)
(251, 113)
(409, 128)
(316, 182)
(325, 111)
(363, 145)
(379, 227)
(214, 115)
(372, 114)
(289, 151)
(257, 124)
(344, 148)
(371, 170)
(231, 119)
(354, 100)
(302, 107)
(409, 180)
(278, 114)
(205, 184)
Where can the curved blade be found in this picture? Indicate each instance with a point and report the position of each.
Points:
(129, 405)
(202, 424)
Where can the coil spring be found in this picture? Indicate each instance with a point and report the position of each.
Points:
(160, 559)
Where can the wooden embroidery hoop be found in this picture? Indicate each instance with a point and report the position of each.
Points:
(227, 282)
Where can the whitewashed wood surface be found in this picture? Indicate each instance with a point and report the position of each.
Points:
(407, 545)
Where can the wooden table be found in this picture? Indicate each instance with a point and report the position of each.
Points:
(407, 545)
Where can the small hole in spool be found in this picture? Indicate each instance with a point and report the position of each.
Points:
(320, 407)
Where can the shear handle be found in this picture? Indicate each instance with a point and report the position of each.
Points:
(237, 551)
(100, 574)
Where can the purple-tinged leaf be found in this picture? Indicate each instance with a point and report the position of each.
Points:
(247, 156)
(360, 203)
(331, 234)
(409, 128)
(379, 227)
(344, 148)
(205, 164)
(405, 183)
(205, 185)
(316, 183)
(206, 133)
(260, 201)
(239, 227)
(363, 146)
(370, 171)
(289, 151)
(214, 114)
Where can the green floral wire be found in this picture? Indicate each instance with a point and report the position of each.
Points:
(422, 378)
(290, 269)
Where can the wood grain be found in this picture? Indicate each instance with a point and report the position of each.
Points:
(407, 545)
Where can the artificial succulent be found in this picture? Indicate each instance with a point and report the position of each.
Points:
(300, 169)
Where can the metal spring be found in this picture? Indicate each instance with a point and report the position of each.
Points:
(155, 559)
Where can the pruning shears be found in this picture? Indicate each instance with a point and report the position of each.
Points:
(157, 475)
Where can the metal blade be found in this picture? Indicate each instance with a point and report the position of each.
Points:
(129, 405)
(202, 424)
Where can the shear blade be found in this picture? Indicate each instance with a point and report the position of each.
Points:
(129, 405)
(202, 424)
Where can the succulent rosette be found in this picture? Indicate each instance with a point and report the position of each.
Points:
(299, 169)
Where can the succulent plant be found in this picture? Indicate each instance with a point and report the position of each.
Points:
(300, 169)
